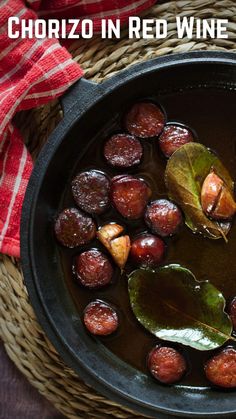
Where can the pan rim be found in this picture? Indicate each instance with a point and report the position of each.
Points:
(36, 180)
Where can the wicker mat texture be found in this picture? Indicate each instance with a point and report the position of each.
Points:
(24, 340)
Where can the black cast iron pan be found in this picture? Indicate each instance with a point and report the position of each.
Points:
(87, 108)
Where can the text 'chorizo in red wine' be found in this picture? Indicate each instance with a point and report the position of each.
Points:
(93, 269)
(91, 191)
(73, 228)
(123, 150)
(130, 196)
(100, 318)
(145, 119)
(166, 364)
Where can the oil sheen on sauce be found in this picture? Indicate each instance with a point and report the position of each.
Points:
(211, 114)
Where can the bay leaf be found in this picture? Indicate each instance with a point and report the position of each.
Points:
(185, 173)
(171, 304)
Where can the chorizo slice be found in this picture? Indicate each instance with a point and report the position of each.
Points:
(220, 370)
(73, 228)
(100, 318)
(232, 312)
(93, 269)
(123, 151)
(163, 217)
(90, 190)
(147, 250)
(144, 120)
(129, 196)
(166, 364)
(173, 137)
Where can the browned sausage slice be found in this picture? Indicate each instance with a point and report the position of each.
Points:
(163, 217)
(73, 228)
(123, 150)
(221, 369)
(145, 119)
(166, 364)
(147, 250)
(93, 269)
(100, 318)
(173, 137)
(130, 196)
(91, 191)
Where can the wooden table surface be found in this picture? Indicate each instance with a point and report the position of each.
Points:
(18, 399)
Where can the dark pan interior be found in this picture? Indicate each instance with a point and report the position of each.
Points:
(43, 269)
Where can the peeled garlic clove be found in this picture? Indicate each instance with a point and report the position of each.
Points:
(118, 247)
(211, 190)
(119, 250)
(225, 207)
(216, 198)
(109, 232)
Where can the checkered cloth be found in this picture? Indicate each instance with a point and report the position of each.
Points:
(32, 72)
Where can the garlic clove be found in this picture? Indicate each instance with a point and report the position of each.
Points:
(216, 198)
(109, 232)
(119, 247)
(119, 250)
(210, 192)
(225, 207)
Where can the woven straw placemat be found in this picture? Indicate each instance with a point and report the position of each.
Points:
(24, 340)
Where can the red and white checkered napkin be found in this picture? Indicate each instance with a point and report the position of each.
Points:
(32, 72)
